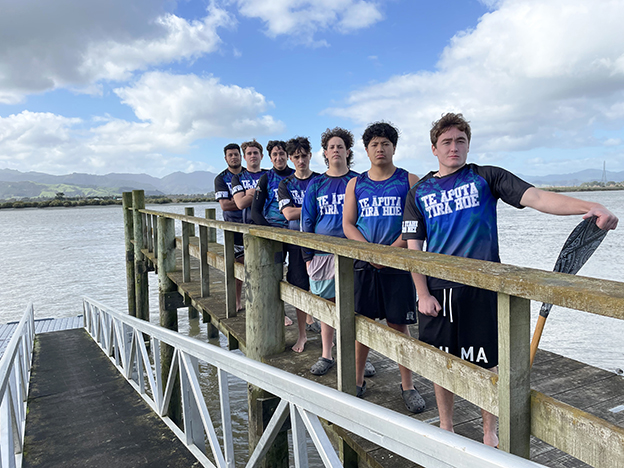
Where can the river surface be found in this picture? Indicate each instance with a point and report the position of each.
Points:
(54, 256)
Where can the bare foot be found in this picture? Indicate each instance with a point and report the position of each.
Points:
(490, 439)
(287, 321)
(300, 344)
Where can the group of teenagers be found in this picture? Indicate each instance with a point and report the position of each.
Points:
(451, 211)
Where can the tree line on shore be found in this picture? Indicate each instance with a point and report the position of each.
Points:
(69, 202)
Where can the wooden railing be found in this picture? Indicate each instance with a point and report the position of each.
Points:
(522, 412)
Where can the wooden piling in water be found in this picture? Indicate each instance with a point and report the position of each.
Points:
(265, 334)
(141, 289)
(188, 231)
(206, 236)
(126, 198)
(168, 300)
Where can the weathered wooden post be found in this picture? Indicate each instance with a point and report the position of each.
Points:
(155, 227)
(206, 236)
(168, 300)
(211, 213)
(514, 372)
(140, 263)
(188, 231)
(345, 341)
(126, 198)
(265, 335)
(230, 280)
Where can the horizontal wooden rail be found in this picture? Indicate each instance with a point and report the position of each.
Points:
(596, 296)
(582, 435)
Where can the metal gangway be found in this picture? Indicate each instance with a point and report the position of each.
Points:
(134, 347)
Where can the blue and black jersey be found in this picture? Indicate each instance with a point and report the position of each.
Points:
(456, 214)
(291, 192)
(241, 183)
(380, 206)
(322, 207)
(265, 207)
(223, 191)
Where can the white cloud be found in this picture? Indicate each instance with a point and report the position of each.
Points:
(531, 74)
(75, 44)
(302, 19)
(187, 107)
(28, 134)
(175, 112)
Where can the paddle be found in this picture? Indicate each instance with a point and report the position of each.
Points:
(580, 245)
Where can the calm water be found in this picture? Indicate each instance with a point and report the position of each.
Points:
(53, 257)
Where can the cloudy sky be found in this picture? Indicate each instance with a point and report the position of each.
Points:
(158, 86)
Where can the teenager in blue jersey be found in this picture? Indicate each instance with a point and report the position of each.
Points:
(373, 212)
(321, 213)
(265, 206)
(244, 184)
(453, 209)
(231, 212)
(290, 198)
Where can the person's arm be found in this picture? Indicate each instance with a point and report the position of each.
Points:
(286, 204)
(223, 196)
(257, 206)
(350, 214)
(399, 242)
(227, 205)
(308, 220)
(558, 204)
(244, 198)
(291, 213)
(427, 304)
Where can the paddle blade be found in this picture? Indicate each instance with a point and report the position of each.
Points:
(580, 245)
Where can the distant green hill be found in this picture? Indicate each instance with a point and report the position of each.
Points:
(12, 190)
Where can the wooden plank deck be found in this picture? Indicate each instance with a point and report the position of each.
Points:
(82, 412)
(41, 326)
(596, 391)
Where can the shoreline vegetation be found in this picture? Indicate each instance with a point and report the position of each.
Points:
(60, 201)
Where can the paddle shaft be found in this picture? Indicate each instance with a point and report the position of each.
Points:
(580, 245)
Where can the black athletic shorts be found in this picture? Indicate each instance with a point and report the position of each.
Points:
(297, 274)
(385, 293)
(238, 238)
(467, 325)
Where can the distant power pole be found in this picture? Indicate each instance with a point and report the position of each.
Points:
(604, 172)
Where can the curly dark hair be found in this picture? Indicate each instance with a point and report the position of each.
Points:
(382, 130)
(231, 146)
(347, 138)
(253, 143)
(448, 121)
(298, 143)
(273, 143)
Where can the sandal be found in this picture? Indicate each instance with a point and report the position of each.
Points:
(322, 366)
(369, 369)
(313, 327)
(413, 401)
(360, 390)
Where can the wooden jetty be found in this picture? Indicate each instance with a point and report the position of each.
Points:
(560, 413)
(557, 413)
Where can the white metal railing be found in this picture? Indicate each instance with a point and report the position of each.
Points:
(15, 368)
(122, 337)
